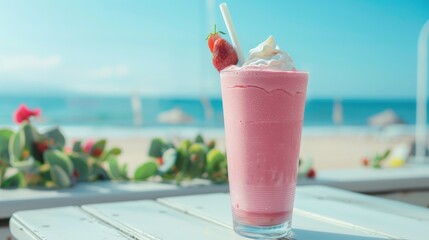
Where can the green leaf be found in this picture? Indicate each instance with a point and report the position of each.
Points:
(197, 159)
(114, 171)
(31, 134)
(16, 150)
(98, 148)
(57, 137)
(146, 170)
(167, 146)
(111, 153)
(198, 148)
(124, 171)
(115, 151)
(183, 155)
(376, 162)
(5, 135)
(15, 181)
(45, 172)
(16, 145)
(100, 173)
(199, 139)
(60, 176)
(211, 144)
(31, 137)
(81, 165)
(77, 147)
(385, 154)
(58, 158)
(214, 160)
(155, 148)
(220, 176)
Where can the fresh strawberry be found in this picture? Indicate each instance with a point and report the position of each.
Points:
(212, 37)
(224, 54)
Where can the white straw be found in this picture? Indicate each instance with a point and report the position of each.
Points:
(232, 33)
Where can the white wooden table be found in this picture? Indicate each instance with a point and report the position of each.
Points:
(320, 213)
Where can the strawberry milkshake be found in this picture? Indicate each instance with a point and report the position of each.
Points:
(263, 102)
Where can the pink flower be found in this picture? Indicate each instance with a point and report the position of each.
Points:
(23, 113)
(88, 145)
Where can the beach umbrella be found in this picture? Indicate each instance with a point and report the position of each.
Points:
(174, 116)
(385, 118)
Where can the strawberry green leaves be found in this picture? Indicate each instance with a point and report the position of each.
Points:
(212, 37)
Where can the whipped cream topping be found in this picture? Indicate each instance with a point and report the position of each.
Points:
(268, 55)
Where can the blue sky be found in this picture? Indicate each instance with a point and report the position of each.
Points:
(352, 48)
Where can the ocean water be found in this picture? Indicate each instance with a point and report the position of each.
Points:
(117, 111)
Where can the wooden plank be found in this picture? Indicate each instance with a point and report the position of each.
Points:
(216, 208)
(96, 192)
(149, 219)
(369, 180)
(66, 223)
(404, 221)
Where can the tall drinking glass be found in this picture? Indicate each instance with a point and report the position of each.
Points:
(263, 115)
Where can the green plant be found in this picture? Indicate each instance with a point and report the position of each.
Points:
(190, 159)
(29, 158)
(378, 160)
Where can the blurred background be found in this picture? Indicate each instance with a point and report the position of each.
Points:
(132, 69)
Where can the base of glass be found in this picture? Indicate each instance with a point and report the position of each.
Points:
(263, 232)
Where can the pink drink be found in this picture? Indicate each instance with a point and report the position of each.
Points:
(263, 114)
